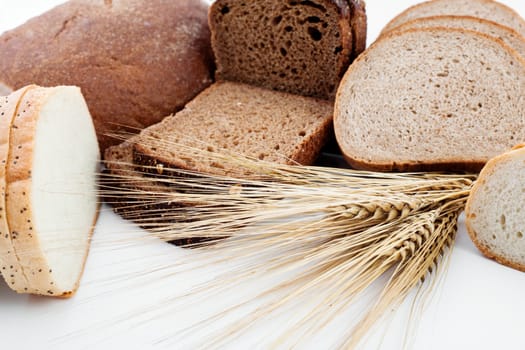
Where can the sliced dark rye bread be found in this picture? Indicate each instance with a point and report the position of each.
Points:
(431, 99)
(508, 35)
(243, 119)
(151, 204)
(301, 47)
(486, 9)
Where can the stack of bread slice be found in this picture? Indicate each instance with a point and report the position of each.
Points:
(436, 93)
(278, 68)
(49, 160)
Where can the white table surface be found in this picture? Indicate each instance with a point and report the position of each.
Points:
(479, 304)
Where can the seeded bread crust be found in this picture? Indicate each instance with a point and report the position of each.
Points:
(153, 153)
(251, 55)
(135, 60)
(508, 35)
(10, 266)
(19, 210)
(437, 164)
(515, 21)
(488, 171)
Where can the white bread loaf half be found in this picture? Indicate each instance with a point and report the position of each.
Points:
(486, 9)
(495, 218)
(51, 176)
(9, 264)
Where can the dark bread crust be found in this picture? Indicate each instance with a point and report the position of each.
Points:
(137, 205)
(136, 61)
(352, 30)
(487, 171)
(456, 165)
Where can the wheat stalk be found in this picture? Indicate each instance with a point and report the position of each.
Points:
(349, 228)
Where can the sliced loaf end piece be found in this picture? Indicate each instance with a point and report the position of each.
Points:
(301, 47)
(506, 34)
(241, 119)
(495, 220)
(51, 175)
(424, 99)
(486, 9)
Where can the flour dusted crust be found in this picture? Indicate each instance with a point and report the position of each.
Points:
(135, 60)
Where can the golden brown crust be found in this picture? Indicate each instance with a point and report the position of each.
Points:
(486, 172)
(135, 63)
(408, 25)
(9, 263)
(18, 205)
(394, 21)
(457, 165)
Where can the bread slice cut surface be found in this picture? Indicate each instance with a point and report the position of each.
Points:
(241, 119)
(495, 218)
(301, 47)
(52, 190)
(436, 99)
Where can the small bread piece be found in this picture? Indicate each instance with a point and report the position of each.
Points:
(431, 99)
(9, 265)
(242, 119)
(495, 219)
(51, 178)
(4, 89)
(493, 29)
(300, 47)
(486, 9)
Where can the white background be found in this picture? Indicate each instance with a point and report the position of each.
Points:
(479, 305)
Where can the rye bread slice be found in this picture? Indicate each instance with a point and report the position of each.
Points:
(431, 99)
(486, 9)
(496, 30)
(151, 204)
(301, 47)
(494, 213)
(238, 118)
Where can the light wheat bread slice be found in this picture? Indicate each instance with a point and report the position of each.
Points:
(9, 265)
(486, 9)
(495, 219)
(238, 118)
(493, 29)
(301, 47)
(51, 178)
(431, 99)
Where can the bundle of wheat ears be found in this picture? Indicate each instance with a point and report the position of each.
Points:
(343, 230)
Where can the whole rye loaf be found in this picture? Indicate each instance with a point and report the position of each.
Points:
(136, 61)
